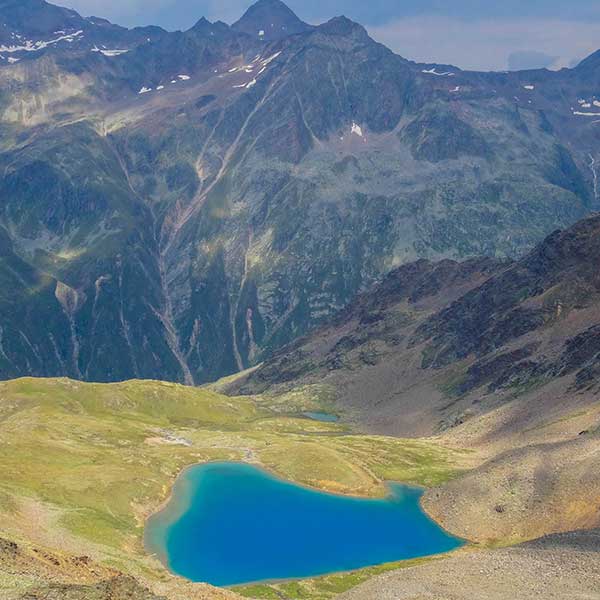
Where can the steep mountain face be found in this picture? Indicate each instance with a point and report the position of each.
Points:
(590, 67)
(36, 16)
(557, 279)
(438, 344)
(252, 184)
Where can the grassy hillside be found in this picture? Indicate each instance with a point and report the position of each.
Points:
(85, 464)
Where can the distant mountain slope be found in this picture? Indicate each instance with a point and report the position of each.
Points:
(437, 344)
(30, 28)
(252, 184)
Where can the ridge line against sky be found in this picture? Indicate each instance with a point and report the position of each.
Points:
(471, 34)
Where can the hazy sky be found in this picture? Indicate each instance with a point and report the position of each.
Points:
(472, 34)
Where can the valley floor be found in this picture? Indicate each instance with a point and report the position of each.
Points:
(84, 465)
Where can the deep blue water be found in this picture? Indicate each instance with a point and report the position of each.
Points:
(230, 523)
(321, 416)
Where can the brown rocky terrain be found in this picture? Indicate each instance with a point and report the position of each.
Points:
(524, 493)
(560, 566)
(29, 572)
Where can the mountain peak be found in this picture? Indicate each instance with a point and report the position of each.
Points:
(270, 20)
(202, 24)
(204, 27)
(343, 26)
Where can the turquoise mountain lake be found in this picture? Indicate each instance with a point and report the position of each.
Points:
(321, 416)
(231, 523)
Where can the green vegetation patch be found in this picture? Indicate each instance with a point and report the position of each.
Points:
(323, 588)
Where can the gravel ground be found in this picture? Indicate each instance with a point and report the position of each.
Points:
(558, 567)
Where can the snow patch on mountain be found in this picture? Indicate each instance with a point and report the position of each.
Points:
(357, 129)
(269, 60)
(109, 53)
(31, 46)
(434, 72)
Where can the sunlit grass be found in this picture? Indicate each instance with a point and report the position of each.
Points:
(94, 461)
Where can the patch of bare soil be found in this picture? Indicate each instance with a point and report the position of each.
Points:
(565, 566)
(35, 573)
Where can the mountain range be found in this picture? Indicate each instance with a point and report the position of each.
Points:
(181, 205)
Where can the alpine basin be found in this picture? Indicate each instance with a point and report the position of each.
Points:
(231, 523)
